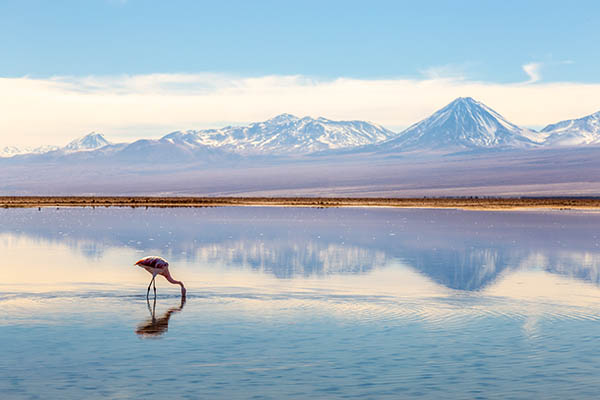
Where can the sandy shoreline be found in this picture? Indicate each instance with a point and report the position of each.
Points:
(490, 204)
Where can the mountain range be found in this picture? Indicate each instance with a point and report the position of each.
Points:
(91, 141)
(284, 134)
(463, 125)
(464, 149)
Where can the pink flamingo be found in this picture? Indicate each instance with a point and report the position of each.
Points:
(158, 266)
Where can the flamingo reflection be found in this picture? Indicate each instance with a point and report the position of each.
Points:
(155, 327)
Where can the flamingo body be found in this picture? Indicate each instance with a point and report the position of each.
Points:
(153, 264)
(158, 266)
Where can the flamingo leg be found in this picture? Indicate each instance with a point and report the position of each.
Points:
(148, 291)
(154, 289)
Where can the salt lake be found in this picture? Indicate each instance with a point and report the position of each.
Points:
(300, 303)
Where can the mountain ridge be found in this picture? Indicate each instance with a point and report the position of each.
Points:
(464, 124)
(580, 131)
(286, 134)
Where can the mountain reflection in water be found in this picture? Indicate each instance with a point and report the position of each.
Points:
(461, 250)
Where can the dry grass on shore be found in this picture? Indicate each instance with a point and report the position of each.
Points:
(471, 203)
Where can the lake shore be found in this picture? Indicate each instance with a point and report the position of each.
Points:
(466, 203)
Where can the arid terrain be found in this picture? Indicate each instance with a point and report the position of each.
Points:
(469, 203)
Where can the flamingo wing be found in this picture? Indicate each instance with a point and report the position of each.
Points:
(153, 262)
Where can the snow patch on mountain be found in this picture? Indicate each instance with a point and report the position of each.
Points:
(91, 141)
(10, 151)
(574, 132)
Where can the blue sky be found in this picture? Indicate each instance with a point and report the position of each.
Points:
(132, 68)
(483, 40)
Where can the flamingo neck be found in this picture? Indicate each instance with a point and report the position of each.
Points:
(169, 278)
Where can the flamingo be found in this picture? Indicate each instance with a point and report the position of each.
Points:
(158, 266)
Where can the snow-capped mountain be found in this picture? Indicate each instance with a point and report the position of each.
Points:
(10, 151)
(285, 134)
(574, 132)
(461, 125)
(91, 141)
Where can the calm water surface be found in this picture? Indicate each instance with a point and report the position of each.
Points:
(300, 303)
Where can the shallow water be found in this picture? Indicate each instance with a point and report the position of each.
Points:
(299, 303)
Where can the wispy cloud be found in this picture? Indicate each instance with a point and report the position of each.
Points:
(53, 111)
(533, 71)
(448, 71)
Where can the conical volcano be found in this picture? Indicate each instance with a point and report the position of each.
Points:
(463, 124)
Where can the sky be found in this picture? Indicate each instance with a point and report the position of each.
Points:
(133, 68)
